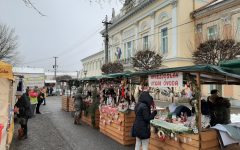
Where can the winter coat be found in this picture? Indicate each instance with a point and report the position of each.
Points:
(23, 104)
(182, 109)
(143, 113)
(78, 101)
(219, 111)
(41, 97)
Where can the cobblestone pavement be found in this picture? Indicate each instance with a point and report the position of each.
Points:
(54, 130)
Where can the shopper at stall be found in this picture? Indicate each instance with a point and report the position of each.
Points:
(41, 97)
(33, 94)
(78, 104)
(23, 110)
(141, 127)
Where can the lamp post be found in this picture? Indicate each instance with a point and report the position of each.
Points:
(85, 73)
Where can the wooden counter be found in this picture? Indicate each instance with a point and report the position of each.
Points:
(88, 119)
(119, 130)
(65, 103)
(208, 141)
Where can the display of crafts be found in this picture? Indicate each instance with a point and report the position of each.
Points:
(117, 95)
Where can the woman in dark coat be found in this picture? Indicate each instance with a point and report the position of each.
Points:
(141, 127)
(23, 110)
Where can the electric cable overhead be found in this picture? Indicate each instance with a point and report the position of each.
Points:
(85, 40)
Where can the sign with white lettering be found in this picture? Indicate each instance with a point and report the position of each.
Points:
(174, 79)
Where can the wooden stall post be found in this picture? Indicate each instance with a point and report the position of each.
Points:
(173, 96)
(199, 106)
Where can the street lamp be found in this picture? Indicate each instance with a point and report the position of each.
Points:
(85, 73)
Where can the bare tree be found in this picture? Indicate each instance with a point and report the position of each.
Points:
(8, 44)
(214, 51)
(146, 60)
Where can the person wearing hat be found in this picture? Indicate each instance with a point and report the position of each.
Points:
(23, 110)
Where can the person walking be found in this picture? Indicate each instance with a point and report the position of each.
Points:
(41, 97)
(33, 95)
(141, 126)
(23, 110)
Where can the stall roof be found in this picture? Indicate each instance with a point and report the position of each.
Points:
(209, 74)
(232, 66)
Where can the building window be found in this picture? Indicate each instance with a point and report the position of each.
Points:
(238, 28)
(199, 28)
(109, 55)
(212, 33)
(145, 42)
(128, 49)
(164, 41)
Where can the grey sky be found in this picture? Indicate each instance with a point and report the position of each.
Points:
(70, 30)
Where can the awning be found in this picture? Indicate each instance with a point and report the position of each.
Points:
(209, 74)
(6, 70)
(232, 66)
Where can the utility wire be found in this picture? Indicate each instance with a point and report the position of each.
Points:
(73, 48)
(78, 43)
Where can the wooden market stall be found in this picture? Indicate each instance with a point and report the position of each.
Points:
(171, 136)
(116, 119)
(7, 93)
(90, 114)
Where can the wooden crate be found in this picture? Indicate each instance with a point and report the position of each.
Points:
(71, 104)
(65, 103)
(119, 132)
(208, 141)
(88, 120)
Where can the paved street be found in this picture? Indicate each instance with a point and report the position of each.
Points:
(54, 130)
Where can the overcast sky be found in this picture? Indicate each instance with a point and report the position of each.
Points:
(70, 30)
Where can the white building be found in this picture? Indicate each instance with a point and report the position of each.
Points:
(49, 75)
(31, 76)
(92, 65)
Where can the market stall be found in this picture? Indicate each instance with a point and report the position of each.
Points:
(67, 95)
(189, 132)
(7, 89)
(116, 108)
(90, 114)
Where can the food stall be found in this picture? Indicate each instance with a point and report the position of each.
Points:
(7, 88)
(116, 107)
(187, 133)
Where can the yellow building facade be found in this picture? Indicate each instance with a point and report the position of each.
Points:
(220, 19)
(163, 26)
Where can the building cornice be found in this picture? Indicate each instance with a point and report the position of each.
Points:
(129, 14)
(162, 5)
(91, 56)
(208, 10)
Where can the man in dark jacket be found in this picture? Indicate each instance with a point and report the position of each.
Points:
(22, 108)
(141, 127)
